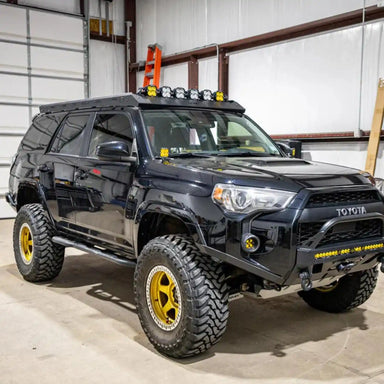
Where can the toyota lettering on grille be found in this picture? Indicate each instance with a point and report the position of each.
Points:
(351, 211)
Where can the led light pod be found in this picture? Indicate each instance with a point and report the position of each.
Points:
(165, 92)
(179, 93)
(149, 90)
(206, 95)
(219, 96)
(193, 94)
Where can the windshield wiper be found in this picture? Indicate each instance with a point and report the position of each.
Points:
(188, 154)
(245, 154)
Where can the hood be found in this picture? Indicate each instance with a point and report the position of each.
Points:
(280, 173)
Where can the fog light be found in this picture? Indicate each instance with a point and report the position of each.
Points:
(250, 243)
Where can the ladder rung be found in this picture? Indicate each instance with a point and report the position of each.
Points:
(149, 75)
(151, 62)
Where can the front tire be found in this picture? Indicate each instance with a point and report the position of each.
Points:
(349, 292)
(37, 257)
(181, 297)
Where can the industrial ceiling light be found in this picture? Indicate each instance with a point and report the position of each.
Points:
(193, 94)
(206, 95)
(165, 91)
(179, 93)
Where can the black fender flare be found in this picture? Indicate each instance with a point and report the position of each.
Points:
(182, 213)
(33, 184)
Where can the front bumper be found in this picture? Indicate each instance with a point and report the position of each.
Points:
(317, 260)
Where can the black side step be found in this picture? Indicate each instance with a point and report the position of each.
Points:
(95, 251)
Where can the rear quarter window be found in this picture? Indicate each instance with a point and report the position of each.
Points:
(41, 131)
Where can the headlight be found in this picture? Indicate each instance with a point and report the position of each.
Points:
(246, 199)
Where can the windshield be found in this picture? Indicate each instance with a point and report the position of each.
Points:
(175, 133)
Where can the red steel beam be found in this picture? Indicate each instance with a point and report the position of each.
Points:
(193, 73)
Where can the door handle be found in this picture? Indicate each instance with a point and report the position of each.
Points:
(45, 168)
(80, 174)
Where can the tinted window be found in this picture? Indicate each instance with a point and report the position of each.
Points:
(111, 127)
(41, 131)
(71, 135)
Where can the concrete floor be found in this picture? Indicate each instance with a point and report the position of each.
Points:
(82, 327)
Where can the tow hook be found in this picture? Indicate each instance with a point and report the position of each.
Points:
(381, 260)
(345, 267)
(306, 283)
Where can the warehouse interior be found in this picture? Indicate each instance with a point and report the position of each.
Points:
(303, 69)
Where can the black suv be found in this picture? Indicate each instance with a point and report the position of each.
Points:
(206, 207)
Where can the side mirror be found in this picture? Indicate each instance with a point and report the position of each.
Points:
(285, 148)
(115, 151)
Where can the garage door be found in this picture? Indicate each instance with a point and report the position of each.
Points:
(43, 59)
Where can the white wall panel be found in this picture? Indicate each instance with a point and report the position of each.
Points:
(13, 57)
(70, 6)
(12, 23)
(107, 70)
(309, 85)
(7, 151)
(50, 91)
(174, 76)
(13, 117)
(195, 23)
(208, 74)
(47, 61)
(13, 89)
(57, 30)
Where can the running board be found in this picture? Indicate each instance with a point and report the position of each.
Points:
(105, 255)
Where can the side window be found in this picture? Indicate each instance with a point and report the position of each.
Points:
(41, 131)
(71, 135)
(110, 127)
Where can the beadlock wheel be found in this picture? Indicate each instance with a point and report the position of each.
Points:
(163, 298)
(26, 243)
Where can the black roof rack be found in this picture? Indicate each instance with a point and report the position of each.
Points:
(133, 100)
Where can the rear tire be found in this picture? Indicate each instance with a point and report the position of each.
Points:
(350, 291)
(192, 314)
(37, 257)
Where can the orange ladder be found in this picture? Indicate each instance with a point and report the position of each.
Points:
(153, 65)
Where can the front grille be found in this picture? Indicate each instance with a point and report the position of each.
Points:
(342, 232)
(345, 197)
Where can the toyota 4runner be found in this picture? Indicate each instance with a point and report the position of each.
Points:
(193, 194)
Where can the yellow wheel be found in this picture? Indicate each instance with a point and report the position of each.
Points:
(163, 298)
(26, 243)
